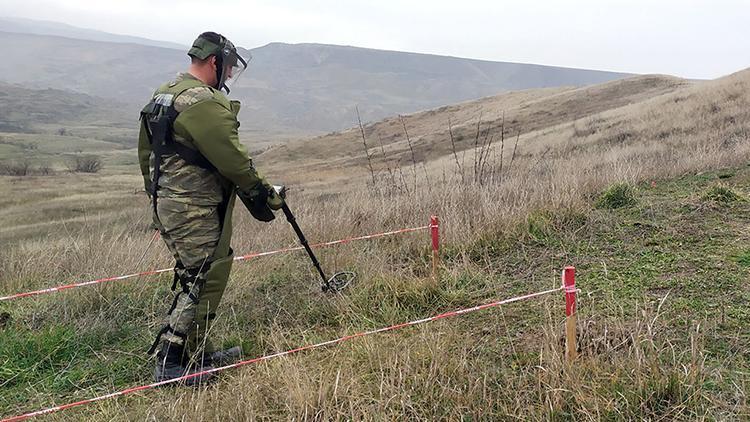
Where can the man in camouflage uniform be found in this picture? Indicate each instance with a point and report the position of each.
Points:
(193, 164)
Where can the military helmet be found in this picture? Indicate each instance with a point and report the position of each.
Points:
(229, 64)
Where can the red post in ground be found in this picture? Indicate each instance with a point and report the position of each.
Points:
(569, 282)
(435, 231)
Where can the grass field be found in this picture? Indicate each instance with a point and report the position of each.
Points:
(648, 200)
(662, 323)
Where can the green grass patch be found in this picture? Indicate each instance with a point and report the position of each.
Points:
(743, 258)
(62, 360)
(617, 196)
(721, 194)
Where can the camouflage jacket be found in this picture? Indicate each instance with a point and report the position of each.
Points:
(207, 122)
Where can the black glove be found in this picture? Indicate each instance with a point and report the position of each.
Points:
(276, 196)
(261, 200)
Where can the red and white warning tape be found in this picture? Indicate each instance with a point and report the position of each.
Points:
(331, 243)
(239, 258)
(276, 355)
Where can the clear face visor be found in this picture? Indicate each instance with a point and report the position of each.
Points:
(233, 70)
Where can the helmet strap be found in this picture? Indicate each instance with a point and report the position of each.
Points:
(219, 71)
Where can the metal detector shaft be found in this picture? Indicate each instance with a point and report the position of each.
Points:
(293, 221)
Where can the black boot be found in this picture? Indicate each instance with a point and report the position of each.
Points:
(223, 357)
(170, 364)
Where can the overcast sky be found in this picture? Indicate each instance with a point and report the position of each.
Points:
(688, 38)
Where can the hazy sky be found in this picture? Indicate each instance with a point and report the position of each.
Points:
(688, 38)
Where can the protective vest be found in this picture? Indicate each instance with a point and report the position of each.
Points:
(159, 115)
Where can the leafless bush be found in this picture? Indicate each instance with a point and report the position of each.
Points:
(620, 137)
(85, 164)
(411, 149)
(45, 170)
(24, 168)
(364, 142)
(15, 168)
(482, 170)
(587, 127)
(459, 168)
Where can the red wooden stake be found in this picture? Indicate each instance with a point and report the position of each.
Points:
(569, 281)
(435, 231)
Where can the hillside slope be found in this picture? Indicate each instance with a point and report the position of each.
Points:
(524, 113)
(324, 83)
(289, 89)
(26, 110)
(48, 126)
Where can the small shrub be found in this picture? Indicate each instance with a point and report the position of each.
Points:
(588, 127)
(721, 194)
(620, 137)
(539, 225)
(15, 168)
(545, 225)
(44, 170)
(85, 164)
(23, 169)
(580, 132)
(617, 196)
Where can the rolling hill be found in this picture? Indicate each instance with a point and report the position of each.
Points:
(289, 90)
(318, 86)
(34, 110)
(525, 113)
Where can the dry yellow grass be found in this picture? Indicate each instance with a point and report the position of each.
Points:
(523, 112)
(499, 365)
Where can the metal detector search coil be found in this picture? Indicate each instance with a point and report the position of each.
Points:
(340, 280)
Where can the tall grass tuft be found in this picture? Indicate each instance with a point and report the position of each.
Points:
(618, 195)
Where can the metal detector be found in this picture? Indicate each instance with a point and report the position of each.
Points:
(340, 280)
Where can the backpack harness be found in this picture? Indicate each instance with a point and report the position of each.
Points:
(159, 116)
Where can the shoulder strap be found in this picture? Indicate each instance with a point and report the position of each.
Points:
(173, 90)
(160, 115)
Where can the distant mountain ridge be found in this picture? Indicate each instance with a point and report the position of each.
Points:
(47, 110)
(290, 89)
(385, 83)
(36, 27)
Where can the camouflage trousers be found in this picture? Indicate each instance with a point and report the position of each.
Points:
(198, 238)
